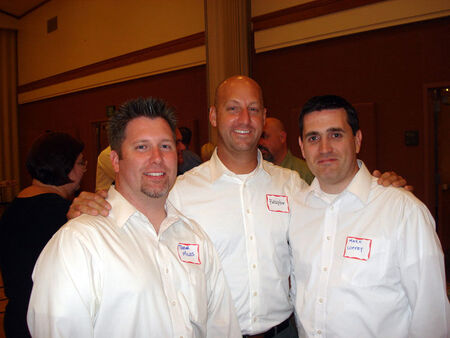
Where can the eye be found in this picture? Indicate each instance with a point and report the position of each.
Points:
(336, 135)
(167, 146)
(312, 138)
(232, 108)
(141, 147)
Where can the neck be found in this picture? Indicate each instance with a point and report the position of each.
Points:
(280, 156)
(38, 188)
(152, 208)
(239, 163)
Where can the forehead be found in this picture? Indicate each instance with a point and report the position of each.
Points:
(240, 90)
(147, 127)
(324, 119)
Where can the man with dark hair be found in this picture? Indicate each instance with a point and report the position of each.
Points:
(143, 270)
(367, 261)
(190, 159)
(274, 148)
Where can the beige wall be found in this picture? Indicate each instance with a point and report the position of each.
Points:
(365, 18)
(94, 30)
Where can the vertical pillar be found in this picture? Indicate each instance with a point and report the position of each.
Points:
(228, 44)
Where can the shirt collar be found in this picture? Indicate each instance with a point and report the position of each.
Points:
(359, 186)
(122, 210)
(218, 169)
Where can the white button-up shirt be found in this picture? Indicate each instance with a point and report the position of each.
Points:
(115, 276)
(367, 263)
(247, 219)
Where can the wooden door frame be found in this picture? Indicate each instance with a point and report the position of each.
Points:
(429, 144)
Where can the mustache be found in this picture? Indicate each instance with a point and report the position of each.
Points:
(261, 147)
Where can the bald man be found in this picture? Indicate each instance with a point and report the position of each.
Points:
(274, 148)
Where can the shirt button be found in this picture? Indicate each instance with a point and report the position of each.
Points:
(319, 331)
(320, 300)
(167, 270)
(254, 266)
(251, 238)
(332, 208)
(174, 303)
(255, 319)
(328, 237)
(248, 211)
(255, 293)
(325, 269)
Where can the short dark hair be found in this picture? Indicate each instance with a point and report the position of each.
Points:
(186, 135)
(52, 156)
(149, 107)
(318, 103)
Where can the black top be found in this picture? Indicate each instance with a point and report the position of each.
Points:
(25, 228)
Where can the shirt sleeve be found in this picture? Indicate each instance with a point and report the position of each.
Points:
(423, 275)
(222, 319)
(66, 288)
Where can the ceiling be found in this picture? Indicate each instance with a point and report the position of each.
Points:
(19, 8)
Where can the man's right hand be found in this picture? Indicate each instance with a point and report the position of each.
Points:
(89, 203)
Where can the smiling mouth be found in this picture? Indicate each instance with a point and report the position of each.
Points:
(154, 174)
(242, 132)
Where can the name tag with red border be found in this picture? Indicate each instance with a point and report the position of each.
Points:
(189, 253)
(277, 203)
(358, 248)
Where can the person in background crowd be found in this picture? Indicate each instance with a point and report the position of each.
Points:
(56, 165)
(367, 260)
(145, 270)
(243, 204)
(190, 159)
(105, 172)
(274, 148)
(206, 151)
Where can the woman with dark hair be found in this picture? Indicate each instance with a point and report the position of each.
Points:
(56, 165)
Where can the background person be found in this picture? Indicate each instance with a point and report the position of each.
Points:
(367, 260)
(190, 159)
(56, 165)
(274, 148)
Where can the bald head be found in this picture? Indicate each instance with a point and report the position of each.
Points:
(232, 83)
(273, 143)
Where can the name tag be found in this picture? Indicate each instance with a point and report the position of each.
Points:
(357, 248)
(277, 203)
(189, 253)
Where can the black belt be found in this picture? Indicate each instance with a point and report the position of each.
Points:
(272, 332)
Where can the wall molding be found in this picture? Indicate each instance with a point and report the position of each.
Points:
(305, 11)
(170, 47)
(285, 16)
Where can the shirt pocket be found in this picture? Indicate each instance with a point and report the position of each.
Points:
(368, 271)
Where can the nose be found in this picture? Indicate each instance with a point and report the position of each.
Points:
(156, 155)
(244, 116)
(324, 146)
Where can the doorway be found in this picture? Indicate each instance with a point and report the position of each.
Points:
(438, 158)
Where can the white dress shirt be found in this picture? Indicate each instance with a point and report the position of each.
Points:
(367, 263)
(115, 276)
(247, 219)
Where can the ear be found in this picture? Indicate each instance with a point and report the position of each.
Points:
(114, 156)
(213, 116)
(358, 140)
(300, 143)
(283, 136)
(264, 116)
